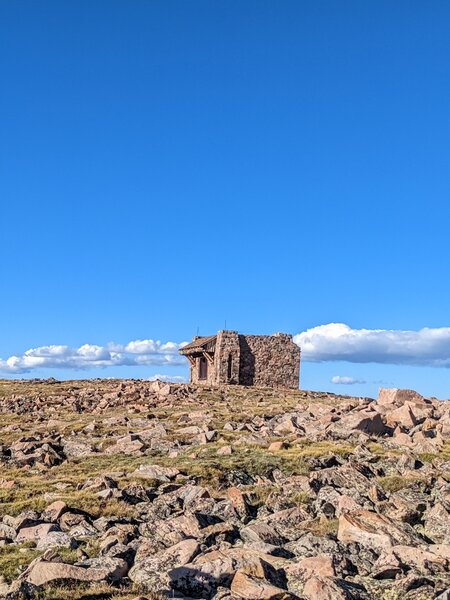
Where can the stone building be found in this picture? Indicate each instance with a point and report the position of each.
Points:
(232, 358)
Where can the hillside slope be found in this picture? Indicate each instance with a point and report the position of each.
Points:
(127, 489)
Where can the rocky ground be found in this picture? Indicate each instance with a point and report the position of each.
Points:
(137, 489)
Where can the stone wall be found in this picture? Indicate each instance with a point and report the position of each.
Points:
(269, 361)
(259, 360)
(194, 373)
(227, 357)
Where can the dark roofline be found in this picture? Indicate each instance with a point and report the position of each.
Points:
(198, 345)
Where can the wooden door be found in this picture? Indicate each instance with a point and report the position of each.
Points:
(203, 368)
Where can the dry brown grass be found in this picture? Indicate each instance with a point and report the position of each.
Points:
(395, 483)
(94, 592)
(322, 526)
(14, 558)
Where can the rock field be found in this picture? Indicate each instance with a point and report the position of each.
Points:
(146, 490)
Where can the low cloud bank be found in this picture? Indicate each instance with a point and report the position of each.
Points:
(325, 343)
(168, 378)
(88, 356)
(339, 342)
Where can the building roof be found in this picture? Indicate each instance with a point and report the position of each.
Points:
(200, 344)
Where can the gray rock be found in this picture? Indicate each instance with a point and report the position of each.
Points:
(437, 523)
(152, 571)
(55, 539)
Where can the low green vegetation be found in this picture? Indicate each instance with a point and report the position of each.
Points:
(15, 557)
(322, 526)
(395, 483)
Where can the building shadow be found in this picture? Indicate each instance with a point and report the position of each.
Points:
(246, 363)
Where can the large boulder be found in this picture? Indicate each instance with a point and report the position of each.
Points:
(421, 560)
(54, 511)
(35, 533)
(392, 397)
(404, 416)
(350, 480)
(77, 448)
(375, 531)
(152, 571)
(55, 539)
(207, 572)
(128, 444)
(358, 421)
(168, 532)
(41, 572)
(200, 579)
(259, 531)
(332, 588)
(253, 588)
(321, 565)
(437, 524)
(156, 473)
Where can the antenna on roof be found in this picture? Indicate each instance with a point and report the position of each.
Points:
(198, 330)
(225, 327)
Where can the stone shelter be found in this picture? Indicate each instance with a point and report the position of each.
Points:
(231, 358)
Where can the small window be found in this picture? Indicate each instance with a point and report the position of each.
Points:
(230, 367)
(202, 368)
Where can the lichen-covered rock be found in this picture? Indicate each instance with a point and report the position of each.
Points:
(375, 531)
(153, 571)
(437, 523)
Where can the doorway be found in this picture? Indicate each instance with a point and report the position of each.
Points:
(202, 368)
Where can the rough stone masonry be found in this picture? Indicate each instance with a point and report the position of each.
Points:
(232, 358)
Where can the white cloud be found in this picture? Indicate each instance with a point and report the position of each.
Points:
(91, 356)
(168, 378)
(141, 347)
(46, 351)
(344, 380)
(339, 342)
(324, 343)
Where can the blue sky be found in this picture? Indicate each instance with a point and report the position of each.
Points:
(169, 166)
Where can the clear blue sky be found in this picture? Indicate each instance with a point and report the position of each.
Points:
(167, 166)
